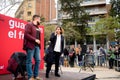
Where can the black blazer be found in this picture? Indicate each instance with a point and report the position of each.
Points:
(53, 39)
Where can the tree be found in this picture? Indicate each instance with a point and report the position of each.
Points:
(70, 34)
(115, 8)
(118, 36)
(76, 16)
(115, 12)
(48, 29)
(105, 26)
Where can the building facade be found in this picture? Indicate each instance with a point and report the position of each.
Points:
(97, 9)
(44, 8)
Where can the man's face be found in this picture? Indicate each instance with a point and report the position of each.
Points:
(38, 20)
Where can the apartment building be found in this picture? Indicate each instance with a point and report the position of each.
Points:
(45, 8)
(97, 9)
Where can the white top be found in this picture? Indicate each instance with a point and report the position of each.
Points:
(57, 47)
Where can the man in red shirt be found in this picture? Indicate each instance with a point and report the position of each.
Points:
(32, 46)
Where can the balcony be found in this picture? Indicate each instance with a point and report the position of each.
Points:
(59, 6)
(93, 20)
(93, 3)
(97, 11)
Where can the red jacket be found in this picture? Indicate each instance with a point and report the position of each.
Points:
(29, 36)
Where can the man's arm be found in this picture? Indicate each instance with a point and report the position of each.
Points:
(28, 31)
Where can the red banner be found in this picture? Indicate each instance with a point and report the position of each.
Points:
(11, 40)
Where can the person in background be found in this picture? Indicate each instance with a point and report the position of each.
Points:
(103, 55)
(66, 57)
(78, 55)
(66, 53)
(111, 57)
(91, 53)
(119, 50)
(55, 50)
(71, 56)
(32, 46)
(116, 52)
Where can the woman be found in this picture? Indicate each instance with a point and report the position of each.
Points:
(55, 50)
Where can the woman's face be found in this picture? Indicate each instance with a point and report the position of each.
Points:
(110, 47)
(116, 48)
(58, 31)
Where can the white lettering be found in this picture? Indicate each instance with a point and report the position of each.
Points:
(22, 26)
(15, 24)
(11, 23)
(2, 67)
(15, 33)
(12, 34)
(21, 35)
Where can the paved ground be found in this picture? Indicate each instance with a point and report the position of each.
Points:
(102, 73)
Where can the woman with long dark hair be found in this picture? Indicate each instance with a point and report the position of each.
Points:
(55, 50)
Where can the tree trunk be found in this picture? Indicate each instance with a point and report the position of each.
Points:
(94, 43)
(75, 43)
(107, 42)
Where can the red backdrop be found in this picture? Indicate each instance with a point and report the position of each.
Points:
(11, 40)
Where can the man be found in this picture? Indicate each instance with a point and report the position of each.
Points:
(32, 46)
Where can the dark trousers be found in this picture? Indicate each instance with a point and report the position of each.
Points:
(49, 65)
(111, 63)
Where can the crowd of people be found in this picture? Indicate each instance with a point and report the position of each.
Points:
(74, 56)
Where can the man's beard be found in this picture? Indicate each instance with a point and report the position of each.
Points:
(38, 23)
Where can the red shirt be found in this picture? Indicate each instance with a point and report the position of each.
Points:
(29, 36)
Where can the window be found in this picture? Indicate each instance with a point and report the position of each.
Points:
(87, 0)
(29, 5)
(28, 20)
(91, 25)
(29, 13)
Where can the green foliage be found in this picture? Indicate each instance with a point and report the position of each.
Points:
(70, 32)
(48, 30)
(118, 36)
(42, 19)
(105, 26)
(115, 8)
(101, 39)
(77, 17)
(115, 12)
